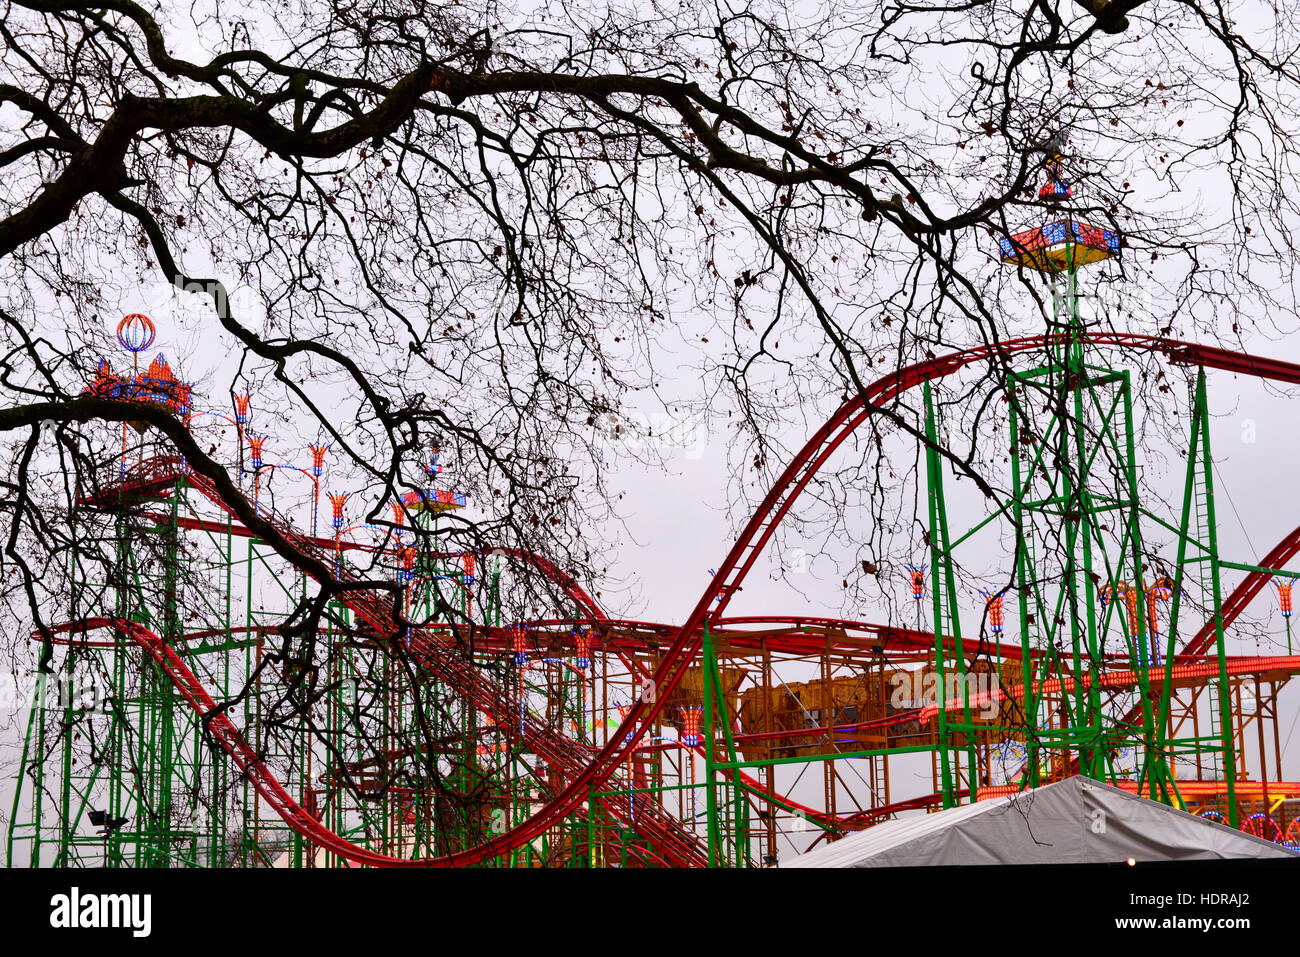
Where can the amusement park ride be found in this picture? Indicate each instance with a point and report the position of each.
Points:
(581, 740)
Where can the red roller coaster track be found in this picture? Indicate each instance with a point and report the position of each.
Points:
(587, 770)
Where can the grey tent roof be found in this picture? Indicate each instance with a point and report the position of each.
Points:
(1074, 821)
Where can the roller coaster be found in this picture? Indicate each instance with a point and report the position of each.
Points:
(412, 726)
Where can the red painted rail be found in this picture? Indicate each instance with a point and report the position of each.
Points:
(687, 638)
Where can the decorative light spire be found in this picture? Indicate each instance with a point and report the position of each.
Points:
(520, 642)
(255, 450)
(623, 711)
(337, 501)
(318, 459)
(1283, 586)
(993, 602)
(582, 638)
(406, 557)
(1160, 592)
(917, 573)
(691, 715)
